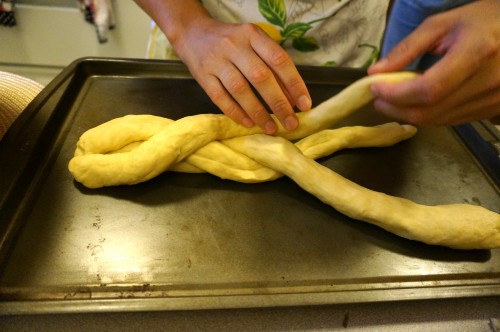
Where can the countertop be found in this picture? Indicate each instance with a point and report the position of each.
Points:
(470, 314)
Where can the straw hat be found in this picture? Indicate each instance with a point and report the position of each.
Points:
(16, 92)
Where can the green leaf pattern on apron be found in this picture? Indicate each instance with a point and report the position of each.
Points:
(275, 13)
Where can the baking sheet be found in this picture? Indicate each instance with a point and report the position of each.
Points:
(194, 241)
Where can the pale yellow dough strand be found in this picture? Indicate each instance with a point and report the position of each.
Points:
(95, 167)
(136, 148)
(459, 226)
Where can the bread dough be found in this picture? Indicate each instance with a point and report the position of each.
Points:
(166, 143)
(220, 159)
(459, 226)
(136, 148)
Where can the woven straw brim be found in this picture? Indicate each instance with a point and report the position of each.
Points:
(16, 92)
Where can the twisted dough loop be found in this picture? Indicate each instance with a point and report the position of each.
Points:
(136, 148)
(166, 143)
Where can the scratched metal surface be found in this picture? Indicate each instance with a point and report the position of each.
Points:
(190, 241)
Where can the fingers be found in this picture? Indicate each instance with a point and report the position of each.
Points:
(442, 79)
(273, 91)
(271, 71)
(436, 82)
(420, 41)
(409, 49)
(231, 90)
(284, 69)
(487, 106)
(223, 100)
(246, 70)
(423, 90)
(476, 98)
(462, 85)
(237, 85)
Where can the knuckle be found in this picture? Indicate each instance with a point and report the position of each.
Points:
(401, 49)
(259, 114)
(431, 21)
(490, 48)
(279, 57)
(404, 47)
(417, 117)
(435, 23)
(296, 83)
(234, 83)
(217, 95)
(483, 50)
(280, 106)
(249, 28)
(259, 74)
(227, 42)
(232, 111)
(236, 86)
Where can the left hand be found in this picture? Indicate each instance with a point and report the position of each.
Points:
(464, 85)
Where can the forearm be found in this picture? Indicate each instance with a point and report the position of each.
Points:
(227, 60)
(174, 17)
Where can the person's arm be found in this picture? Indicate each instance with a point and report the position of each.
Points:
(463, 85)
(227, 60)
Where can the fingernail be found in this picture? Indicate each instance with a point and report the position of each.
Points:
(247, 122)
(291, 122)
(270, 127)
(304, 103)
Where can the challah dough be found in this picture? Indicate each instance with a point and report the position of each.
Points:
(136, 148)
(459, 226)
(167, 142)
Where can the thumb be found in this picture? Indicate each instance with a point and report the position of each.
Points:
(423, 39)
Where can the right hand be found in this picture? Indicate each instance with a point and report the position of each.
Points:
(228, 60)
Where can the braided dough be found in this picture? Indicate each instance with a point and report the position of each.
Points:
(136, 148)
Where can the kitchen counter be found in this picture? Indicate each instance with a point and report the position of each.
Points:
(472, 314)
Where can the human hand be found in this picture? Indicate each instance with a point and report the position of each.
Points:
(234, 63)
(464, 85)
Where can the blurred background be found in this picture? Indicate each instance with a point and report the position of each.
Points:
(50, 34)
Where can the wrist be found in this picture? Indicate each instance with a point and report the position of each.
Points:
(175, 18)
(188, 30)
(178, 26)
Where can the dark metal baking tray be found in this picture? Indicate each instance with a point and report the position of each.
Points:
(194, 241)
(483, 139)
